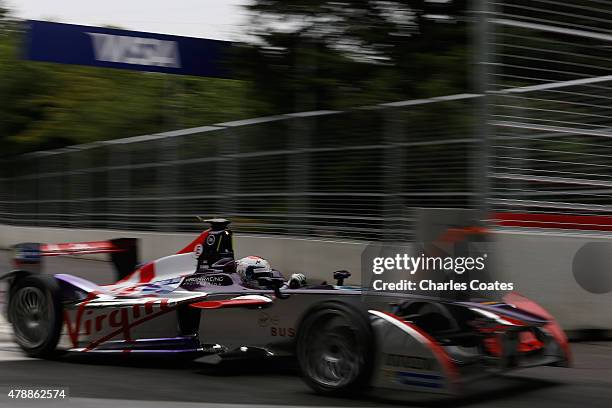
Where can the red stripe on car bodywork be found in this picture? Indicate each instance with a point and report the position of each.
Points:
(191, 247)
(147, 272)
(442, 356)
(218, 304)
(523, 303)
(79, 248)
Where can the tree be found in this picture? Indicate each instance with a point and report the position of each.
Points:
(309, 54)
(47, 105)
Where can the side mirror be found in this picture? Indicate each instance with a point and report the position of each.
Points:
(340, 276)
(273, 282)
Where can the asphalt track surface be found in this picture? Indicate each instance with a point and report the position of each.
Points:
(127, 381)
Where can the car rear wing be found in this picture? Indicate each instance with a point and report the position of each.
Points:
(123, 253)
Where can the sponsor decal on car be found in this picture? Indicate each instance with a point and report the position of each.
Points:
(265, 320)
(197, 251)
(208, 280)
(160, 287)
(412, 362)
(276, 331)
(414, 379)
(87, 322)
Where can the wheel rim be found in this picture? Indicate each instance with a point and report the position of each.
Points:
(30, 316)
(332, 356)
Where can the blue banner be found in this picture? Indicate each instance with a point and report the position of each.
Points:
(112, 48)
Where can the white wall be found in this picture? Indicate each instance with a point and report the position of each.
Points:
(317, 258)
(539, 264)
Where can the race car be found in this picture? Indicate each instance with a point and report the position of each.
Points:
(204, 304)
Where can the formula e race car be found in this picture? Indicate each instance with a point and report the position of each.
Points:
(194, 302)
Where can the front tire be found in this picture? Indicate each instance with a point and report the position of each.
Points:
(335, 349)
(35, 312)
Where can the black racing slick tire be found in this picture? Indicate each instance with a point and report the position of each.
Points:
(35, 312)
(335, 349)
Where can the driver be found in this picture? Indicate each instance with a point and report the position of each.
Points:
(252, 267)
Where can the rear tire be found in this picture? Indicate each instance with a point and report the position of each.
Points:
(335, 349)
(35, 312)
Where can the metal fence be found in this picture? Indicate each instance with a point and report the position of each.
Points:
(536, 137)
(354, 174)
(550, 109)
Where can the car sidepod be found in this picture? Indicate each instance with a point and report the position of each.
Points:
(408, 359)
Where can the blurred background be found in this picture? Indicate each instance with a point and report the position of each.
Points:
(325, 130)
(339, 121)
(302, 138)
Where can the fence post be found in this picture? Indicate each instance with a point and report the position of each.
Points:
(299, 177)
(227, 180)
(481, 40)
(300, 140)
(43, 193)
(394, 227)
(4, 193)
(119, 179)
(167, 184)
(80, 188)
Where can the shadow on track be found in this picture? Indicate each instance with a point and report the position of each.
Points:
(266, 382)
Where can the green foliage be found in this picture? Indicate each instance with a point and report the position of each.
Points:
(305, 55)
(48, 105)
(330, 55)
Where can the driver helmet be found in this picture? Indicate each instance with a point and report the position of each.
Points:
(247, 266)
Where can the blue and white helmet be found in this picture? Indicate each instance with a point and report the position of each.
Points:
(247, 266)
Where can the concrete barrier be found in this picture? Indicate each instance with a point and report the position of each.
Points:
(317, 258)
(540, 264)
